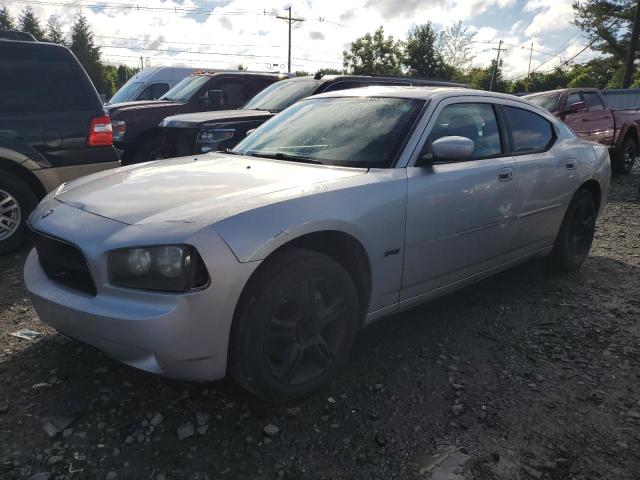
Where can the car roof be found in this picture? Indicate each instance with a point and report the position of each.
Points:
(418, 92)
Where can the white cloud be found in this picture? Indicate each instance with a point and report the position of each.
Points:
(238, 31)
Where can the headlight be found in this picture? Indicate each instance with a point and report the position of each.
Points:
(209, 139)
(119, 128)
(166, 268)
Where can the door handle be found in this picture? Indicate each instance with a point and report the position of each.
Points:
(505, 175)
(571, 165)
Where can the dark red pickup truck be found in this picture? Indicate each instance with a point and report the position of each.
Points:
(586, 112)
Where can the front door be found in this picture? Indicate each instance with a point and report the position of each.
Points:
(461, 217)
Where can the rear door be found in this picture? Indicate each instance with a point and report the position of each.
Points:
(461, 216)
(546, 175)
(47, 101)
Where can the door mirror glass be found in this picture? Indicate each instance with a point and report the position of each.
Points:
(575, 107)
(452, 149)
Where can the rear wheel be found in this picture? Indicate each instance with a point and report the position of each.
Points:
(295, 326)
(576, 233)
(16, 203)
(625, 158)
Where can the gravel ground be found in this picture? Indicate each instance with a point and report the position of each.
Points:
(530, 374)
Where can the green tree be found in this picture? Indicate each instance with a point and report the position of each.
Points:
(241, 67)
(374, 54)
(606, 23)
(456, 46)
(124, 74)
(421, 54)
(330, 71)
(6, 21)
(88, 53)
(480, 78)
(29, 23)
(54, 31)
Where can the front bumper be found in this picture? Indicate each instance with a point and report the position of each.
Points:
(183, 336)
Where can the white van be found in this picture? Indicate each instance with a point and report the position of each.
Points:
(151, 83)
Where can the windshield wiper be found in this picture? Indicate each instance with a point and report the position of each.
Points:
(284, 156)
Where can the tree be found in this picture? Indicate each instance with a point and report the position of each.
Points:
(607, 24)
(241, 67)
(54, 31)
(480, 78)
(87, 53)
(6, 21)
(421, 55)
(374, 54)
(455, 44)
(29, 23)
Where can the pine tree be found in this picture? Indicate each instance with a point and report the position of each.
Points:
(87, 53)
(54, 31)
(29, 23)
(6, 22)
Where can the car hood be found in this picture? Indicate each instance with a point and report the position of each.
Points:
(195, 189)
(132, 106)
(190, 120)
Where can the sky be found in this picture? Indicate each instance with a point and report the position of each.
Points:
(225, 33)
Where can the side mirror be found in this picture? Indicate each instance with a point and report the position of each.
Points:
(453, 149)
(213, 98)
(574, 108)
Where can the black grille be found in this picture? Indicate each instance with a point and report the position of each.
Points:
(63, 263)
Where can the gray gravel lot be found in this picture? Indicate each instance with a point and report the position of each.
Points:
(530, 374)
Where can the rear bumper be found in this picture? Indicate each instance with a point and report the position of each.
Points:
(51, 178)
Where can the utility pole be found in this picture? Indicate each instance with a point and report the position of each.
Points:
(291, 20)
(529, 69)
(631, 54)
(495, 67)
(141, 63)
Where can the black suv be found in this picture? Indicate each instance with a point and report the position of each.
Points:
(208, 131)
(52, 129)
(135, 124)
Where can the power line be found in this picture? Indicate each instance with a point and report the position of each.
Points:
(223, 54)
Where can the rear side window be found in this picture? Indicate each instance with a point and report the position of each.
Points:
(234, 92)
(154, 91)
(529, 131)
(593, 101)
(43, 79)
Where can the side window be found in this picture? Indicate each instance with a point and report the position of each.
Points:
(153, 91)
(475, 121)
(571, 99)
(234, 92)
(42, 79)
(593, 101)
(529, 131)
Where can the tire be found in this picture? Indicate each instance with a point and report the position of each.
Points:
(147, 150)
(279, 350)
(576, 233)
(624, 159)
(18, 197)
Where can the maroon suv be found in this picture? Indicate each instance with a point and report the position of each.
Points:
(135, 124)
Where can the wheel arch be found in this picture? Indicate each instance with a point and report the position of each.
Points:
(628, 131)
(25, 175)
(593, 186)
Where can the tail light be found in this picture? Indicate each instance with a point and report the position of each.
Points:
(100, 132)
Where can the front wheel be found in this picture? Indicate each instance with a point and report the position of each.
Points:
(576, 232)
(624, 159)
(295, 326)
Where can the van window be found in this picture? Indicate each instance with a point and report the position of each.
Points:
(43, 79)
(154, 91)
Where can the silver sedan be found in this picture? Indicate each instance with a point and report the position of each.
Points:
(263, 263)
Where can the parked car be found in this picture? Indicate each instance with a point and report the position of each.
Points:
(194, 133)
(586, 112)
(346, 207)
(151, 83)
(135, 124)
(52, 129)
